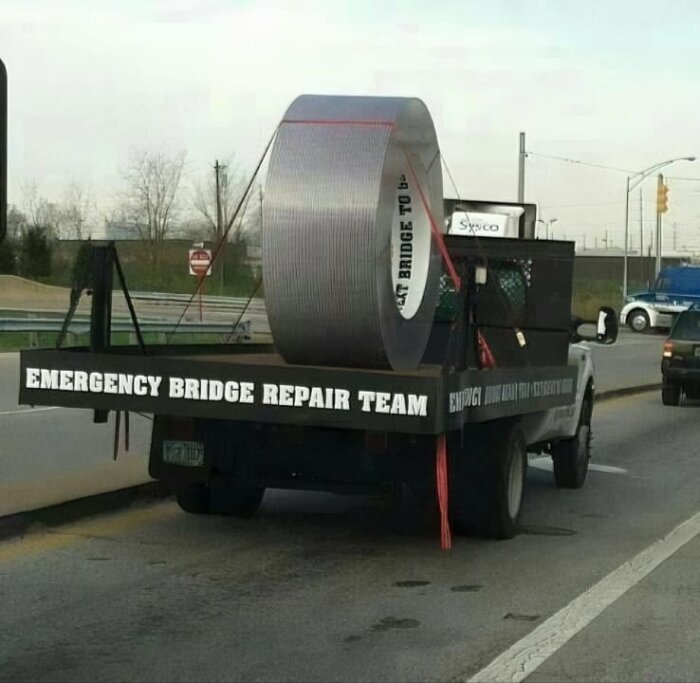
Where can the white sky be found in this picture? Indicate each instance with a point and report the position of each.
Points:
(611, 83)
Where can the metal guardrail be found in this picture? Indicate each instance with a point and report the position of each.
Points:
(244, 330)
(208, 300)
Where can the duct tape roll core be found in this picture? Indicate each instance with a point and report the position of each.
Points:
(350, 269)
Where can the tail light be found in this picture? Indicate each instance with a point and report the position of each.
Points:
(668, 349)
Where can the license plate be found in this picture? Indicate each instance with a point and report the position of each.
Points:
(697, 351)
(184, 453)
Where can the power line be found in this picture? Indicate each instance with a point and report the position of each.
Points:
(580, 163)
(577, 206)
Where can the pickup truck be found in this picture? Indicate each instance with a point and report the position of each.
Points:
(231, 420)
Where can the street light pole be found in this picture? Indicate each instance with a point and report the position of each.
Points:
(638, 179)
(521, 169)
(626, 245)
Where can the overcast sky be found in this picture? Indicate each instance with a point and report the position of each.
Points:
(612, 83)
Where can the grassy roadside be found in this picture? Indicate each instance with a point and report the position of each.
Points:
(588, 297)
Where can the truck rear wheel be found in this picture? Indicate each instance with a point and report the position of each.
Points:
(193, 499)
(488, 481)
(222, 496)
(570, 457)
(671, 394)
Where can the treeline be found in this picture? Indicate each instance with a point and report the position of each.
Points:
(155, 216)
(28, 255)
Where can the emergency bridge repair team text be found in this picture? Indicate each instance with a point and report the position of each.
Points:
(231, 391)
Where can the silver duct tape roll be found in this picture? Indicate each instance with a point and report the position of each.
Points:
(350, 269)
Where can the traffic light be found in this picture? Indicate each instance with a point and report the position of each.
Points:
(662, 199)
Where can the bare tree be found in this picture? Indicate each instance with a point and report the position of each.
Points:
(216, 199)
(40, 213)
(153, 179)
(252, 221)
(75, 210)
(16, 222)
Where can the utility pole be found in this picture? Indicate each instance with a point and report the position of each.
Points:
(641, 238)
(218, 168)
(659, 189)
(675, 236)
(521, 170)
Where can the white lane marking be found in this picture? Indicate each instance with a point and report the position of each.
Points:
(29, 410)
(608, 469)
(530, 652)
(545, 464)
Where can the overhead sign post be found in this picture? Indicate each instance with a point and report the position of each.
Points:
(200, 266)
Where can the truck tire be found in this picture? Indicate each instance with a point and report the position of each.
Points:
(220, 497)
(487, 481)
(193, 499)
(233, 499)
(638, 320)
(570, 457)
(671, 394)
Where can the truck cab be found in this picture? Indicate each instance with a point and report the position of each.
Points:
(675, 289)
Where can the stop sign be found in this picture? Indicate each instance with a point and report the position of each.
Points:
(200, 262)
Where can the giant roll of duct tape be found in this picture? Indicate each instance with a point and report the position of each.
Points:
(350, 269)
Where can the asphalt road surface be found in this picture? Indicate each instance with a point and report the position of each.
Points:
(51, 455)
(634, 360)
(600, 585)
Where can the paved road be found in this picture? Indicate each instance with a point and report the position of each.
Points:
(321, 587)
(634, 360)
(49, 456)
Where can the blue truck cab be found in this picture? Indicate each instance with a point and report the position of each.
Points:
(676, 289)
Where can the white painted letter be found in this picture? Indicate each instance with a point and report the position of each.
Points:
(342, 399)
(270, 394)
(231, 393)
(96, 382)
(216, 390)
(247, 395)
(154, 381)
(80, 381)
(301, 395)
(177, 387)
(32, 378)
(417, 405)
(382, 405)
(366, 397)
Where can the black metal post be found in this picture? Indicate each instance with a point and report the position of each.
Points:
(101, 312)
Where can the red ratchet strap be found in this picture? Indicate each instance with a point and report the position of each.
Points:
(435, 230)
(443, 492)
(487, 361)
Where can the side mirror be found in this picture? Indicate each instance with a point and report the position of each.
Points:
(3, 151)
(606, 328)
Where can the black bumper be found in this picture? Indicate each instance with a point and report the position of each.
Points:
(681, 374)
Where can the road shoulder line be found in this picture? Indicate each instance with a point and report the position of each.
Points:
(530, 652)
